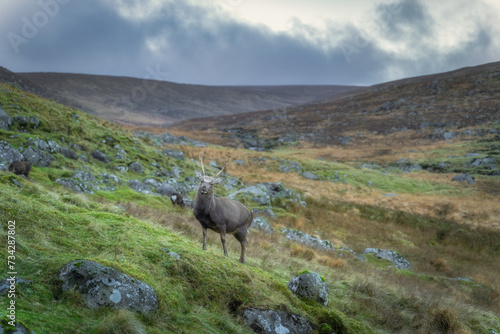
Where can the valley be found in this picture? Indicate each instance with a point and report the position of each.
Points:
(409, 168)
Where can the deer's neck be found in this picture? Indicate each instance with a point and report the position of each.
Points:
(204, 203)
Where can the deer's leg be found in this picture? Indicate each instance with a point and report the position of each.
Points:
(204, 238)
(241, 236)
(223, 239)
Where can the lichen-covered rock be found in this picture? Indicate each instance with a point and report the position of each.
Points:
(307, 239)
(266, 211)
(104, 286)
(48, 145)
(310, 176)
(464, 178)
(121, 169)
(84, 176)
(291, 166)
(136, 167)
(174, 154)
(166, 189)
(71, 184)
(390, 255)
(8, 155)
(257, 193)
(24, 122)
(19, 328)
(38, 157)
(275, 322)
(5, 120)
(261, 223)
(152, 183)
(77, 186)
(108, 182)
(139, 186)
(6, 283)
(98, 155)
(309, 285)
(70, 154)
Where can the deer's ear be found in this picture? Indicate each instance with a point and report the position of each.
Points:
(198, 175)
(217, 181)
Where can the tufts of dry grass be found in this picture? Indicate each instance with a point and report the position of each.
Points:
(303, 252)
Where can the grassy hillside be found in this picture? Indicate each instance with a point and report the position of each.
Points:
(448, 231)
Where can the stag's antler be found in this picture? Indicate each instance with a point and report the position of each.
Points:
(201, 162)
(227, 163)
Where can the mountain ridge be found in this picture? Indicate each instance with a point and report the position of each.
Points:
(134, 101)
(465, 97)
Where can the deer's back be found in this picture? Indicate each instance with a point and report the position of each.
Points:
(229, 212)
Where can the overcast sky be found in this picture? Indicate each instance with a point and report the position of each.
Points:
(249, 42)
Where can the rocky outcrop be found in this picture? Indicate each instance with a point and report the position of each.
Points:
(258, 193)
(38, 157)
(104, 286)
(8, 155)
(98, 155)
(5, 120)
(394, 257)
(26, 122)
(310, 285)
(464, 178)
(261, 223)
(139, 187)
(275, 322)
(307, 239)
(174, 154)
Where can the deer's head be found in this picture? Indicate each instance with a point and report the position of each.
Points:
(207, 183)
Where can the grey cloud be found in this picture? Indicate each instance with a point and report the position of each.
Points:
(196, 45)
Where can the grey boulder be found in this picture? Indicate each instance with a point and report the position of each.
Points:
(104, 286)
(70, 154)
(275, 322)
(98, 155)
(136, 167)
(38, 157)
(464, 178)
(139, 187)
(309, 285)
(310, 176)
(8, 154)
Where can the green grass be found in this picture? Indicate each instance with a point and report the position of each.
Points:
(195, 292)
(383, 180)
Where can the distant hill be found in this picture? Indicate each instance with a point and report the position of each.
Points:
(135, 101)
(463, 98)
(9, 77)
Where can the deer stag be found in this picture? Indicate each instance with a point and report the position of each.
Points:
(222, 215)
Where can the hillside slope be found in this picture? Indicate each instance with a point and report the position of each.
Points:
(414, 108)
(79, 206)
(141, 102)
